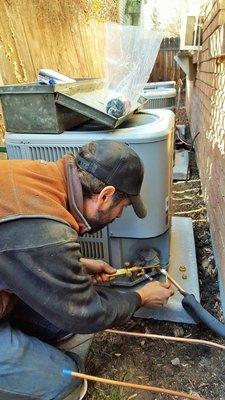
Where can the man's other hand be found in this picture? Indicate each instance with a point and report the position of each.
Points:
(155, 294)
(98, 268)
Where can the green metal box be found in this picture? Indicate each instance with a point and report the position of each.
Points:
(36, 108)
(33, 109)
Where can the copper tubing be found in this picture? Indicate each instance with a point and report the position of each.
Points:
(169, 338)
(168, 276)
(148, 388)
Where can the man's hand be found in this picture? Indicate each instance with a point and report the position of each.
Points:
(155, 294)
(98, 268)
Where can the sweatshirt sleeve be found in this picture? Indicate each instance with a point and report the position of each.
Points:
(50, 278)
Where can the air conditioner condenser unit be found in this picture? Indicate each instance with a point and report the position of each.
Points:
(160, 85)
(128, 239)
(160, 98)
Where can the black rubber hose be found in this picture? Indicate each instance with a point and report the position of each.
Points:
(195, 309)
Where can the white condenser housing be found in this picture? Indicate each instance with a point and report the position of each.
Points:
(150, 134)
(160, 85)
(160, 98)
(130, 239)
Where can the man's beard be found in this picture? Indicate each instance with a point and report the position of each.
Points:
(98, 222)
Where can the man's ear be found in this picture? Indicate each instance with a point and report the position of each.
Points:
(104, 199)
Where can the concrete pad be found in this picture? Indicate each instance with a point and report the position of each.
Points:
(182, 252)
(181, 167)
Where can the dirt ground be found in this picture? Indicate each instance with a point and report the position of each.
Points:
(200, 370)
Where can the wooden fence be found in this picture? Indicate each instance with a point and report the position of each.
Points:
(166, 68)
(64, 35)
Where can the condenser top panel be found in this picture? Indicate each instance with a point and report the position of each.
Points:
(160, 85)
(145, 127)
(159, 93)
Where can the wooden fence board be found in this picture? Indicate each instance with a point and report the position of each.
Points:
(21, 47)
(62, 35)
(166, 68)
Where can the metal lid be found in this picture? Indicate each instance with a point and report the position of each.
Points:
(91, 103)
(85, 96)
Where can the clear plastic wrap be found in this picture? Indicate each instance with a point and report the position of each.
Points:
(130, 53)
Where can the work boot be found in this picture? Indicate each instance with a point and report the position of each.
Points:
(76, 343)
(78, 393)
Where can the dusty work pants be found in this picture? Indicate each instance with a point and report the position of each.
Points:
(31, 369)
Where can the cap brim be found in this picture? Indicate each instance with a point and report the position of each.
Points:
(138, 206)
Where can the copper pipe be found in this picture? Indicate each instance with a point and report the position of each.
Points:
(169, 338)
(148, 388)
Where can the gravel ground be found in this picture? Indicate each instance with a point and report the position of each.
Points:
(194, 369)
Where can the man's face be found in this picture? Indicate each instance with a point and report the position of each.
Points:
(100, 218)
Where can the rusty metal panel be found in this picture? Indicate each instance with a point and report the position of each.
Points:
(32, 109)
(36, 108)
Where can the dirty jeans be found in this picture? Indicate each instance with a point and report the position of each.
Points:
(31, 369)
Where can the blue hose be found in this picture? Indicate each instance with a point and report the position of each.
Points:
(199, 314)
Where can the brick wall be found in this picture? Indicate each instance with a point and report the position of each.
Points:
(207, 116)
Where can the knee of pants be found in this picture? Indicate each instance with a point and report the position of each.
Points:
(32, 369)
(59, 386)
(45, 386)
(66, 385)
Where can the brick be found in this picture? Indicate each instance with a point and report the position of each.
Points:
(204, 56)
(209, 6)
(212, 9)
(208, 66)
(206, 89)
(217, 42)
(221, 268)
(218, 20)
(218, 243)
(205, 44)
(222, 184)
(221, 215)
(208, 78)
(212, 199)
(209, 118)
(219, 81)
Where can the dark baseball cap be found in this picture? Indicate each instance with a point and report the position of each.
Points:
(116, 164)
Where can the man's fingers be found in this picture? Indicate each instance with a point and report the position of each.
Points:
(100, 278)
(166, 285)
(108, 269)
(104, 277)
